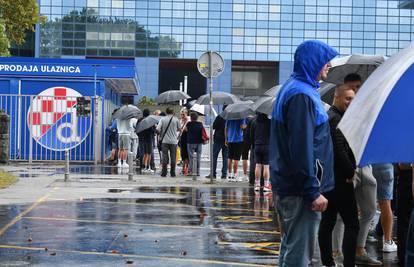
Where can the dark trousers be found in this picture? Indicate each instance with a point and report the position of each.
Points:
(405, 205)
(168, 151)
(340, 200)
(217, 146)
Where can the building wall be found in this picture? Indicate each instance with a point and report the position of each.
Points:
(147, 69)
(259, 30)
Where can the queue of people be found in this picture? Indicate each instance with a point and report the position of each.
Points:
(320, 192)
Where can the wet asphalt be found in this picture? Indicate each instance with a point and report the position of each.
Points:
(166, 226)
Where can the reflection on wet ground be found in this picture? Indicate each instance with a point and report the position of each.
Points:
(205, 226)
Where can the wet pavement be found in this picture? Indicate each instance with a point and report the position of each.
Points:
(201, 226)
(101, 219)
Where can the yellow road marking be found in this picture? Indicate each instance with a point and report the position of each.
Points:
(178, 205)
(23, 213)
(245, 219)
(261, 246)
(152, 224)
(189, 260)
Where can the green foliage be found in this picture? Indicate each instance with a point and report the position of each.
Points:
(4, 42)
(146, 101)
(19, 16)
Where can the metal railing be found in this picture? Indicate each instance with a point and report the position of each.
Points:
(44, 127)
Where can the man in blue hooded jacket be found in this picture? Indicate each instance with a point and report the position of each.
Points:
(301, 153)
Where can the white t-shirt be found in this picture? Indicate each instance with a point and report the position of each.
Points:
(123, 126)
(133, 125)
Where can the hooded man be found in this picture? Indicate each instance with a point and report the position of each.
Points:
(301, 153)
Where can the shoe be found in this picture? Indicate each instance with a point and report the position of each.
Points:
(257, 186)
(125, 165)
(389, 246)
(230, 177)
(119, 165)
(267, 187)
(240, 179)
(371, 238)
(208, 176)
(365, 259)
(339, 260)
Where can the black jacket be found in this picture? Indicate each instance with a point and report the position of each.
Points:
(344, 160)
(260, 130)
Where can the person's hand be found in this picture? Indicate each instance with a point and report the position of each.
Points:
(320, 204)
(350, 180)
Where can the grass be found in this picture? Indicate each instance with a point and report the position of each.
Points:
(6, 179)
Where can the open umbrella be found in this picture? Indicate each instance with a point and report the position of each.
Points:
(363, 65)
(203, 109)
(127, 112)
(147, 122)
(273, 91)
(171, 96)
(264, 104)
(379, 122)
(237, 111)
(327, 91)
(219, 98)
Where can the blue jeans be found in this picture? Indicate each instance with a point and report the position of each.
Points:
(194, 148)
(409, 251)
(217, 146)
(299, 225)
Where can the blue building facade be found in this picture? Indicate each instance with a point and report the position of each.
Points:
(247, 33)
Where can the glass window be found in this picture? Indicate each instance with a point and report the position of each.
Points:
(238, 31)
(238, 7)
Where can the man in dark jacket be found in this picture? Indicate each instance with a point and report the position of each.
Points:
(300, 153)
(219, 126)
(342, 198)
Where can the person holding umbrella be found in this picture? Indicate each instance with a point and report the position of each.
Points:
(147, 142)
(301, 153)
(234, 141)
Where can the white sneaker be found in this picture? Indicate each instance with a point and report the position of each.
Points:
(125, 165)
(389, 246)
(119, 165)
(230, 177)
(240, 179)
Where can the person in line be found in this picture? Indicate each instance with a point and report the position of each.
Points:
(246, 149)
(183, 141)
(301, 153)
(234, 141)
(134, 138)
(342, 198)
(384, 174)
(124, 140)
(147, 140)
(113, 140)
(405, 205)
(219, 126)
(409, 252)
(168, 129)
(194, 130)
(259, 134)
(366, 196)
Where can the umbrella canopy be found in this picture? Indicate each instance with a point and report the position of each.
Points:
(327, 91)
(147, 122)
(264, 104)
(219, 98)
(378, 123)
(171, 96)
(363, 65)
(203, 109)
(127, 112)
(273, 91)
(237, 111)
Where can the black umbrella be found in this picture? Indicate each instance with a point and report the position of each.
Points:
(147, 122)
(273, 91)
(327, 91)
(219, 98)
(363, 65)
(171, 96)
(264, 104)
(127, 112)
(237, 111)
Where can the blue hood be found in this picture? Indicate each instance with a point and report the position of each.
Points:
(310, 57)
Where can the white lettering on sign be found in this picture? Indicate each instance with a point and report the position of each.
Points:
(43, 68)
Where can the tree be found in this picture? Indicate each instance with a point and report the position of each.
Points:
(18, 17)
(4, 41)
